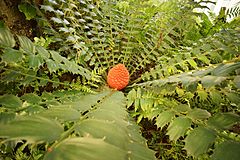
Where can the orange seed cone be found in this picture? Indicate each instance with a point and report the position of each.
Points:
(118, 77)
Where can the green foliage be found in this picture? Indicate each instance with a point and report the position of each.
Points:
(32, 65)
(184, 79)
(177, 101)
(132, 33)
(226, 150)
(28, 10)
(199, 141)
(234, 11)
(67, 123)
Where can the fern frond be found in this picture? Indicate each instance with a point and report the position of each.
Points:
(234, 11)
(104, 112)
(33, 63)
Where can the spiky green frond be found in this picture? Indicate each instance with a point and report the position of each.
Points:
(32, 64)
(74, 124)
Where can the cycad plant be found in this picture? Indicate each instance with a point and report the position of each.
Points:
(184, 83)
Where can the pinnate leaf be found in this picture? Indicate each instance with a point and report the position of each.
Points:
(28, 10)
(131, 97)
(42, 52)
(237, 81)
(32, 128)
(225, 69)
(234, 98)
(178, 127)
(52, 65)
(35, 61)
(27, 45)
(209, 81)
(62, 113)
(85, 148)
(109, 130)
(10, 101)
(5, 117)
(223, 120)
(216, 97)
(6, 38)
(164, 118)
(182, 108)
(227, 150)
(11, 55)
(31, 98)
(198, 114)
(199, 141)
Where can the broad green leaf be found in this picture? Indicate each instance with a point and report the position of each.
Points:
(110, 120)
(203, 58)
(57, 57)
(5, 117)
(198, 114)
(115, 101)
(31, 128)
(131, 97)
(44, 81)
(146, 104)
(6, 38)
(164, 118)
(27, 45)
(199, 140)
(223, 120)
(225, 69)
(216, 97)
(10, 76)
(10, 101)
(28, 10)
(190, 83)
(87, 101)
(11, 55)
(109, 115)
(216, 57)
(206, 47)
(178, 127)
(193, 63)
(234, 98)
(63, 113)
(209, 81)
(31, 98)
(43, 52)
(237, 81)
(182, 108)
(35, 61)
(139, 152)
(109, 130)
(228, 150)
(33, 109)
(85, 148)
(201, 73)
(30, 77)
(52, 65)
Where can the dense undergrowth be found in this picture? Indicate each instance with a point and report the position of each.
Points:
(183, 92)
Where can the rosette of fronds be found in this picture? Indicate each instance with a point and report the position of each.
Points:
(102, 34)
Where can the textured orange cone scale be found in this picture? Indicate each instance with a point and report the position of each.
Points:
(118, 77)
